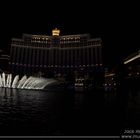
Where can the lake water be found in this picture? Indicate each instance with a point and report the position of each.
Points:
(42, 113)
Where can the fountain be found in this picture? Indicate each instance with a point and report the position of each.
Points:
(25, 82)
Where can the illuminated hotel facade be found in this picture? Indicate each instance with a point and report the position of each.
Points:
(55, 54)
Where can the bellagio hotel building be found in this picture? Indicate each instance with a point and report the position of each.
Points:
(55, 54)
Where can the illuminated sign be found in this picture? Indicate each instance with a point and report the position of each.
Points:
(55, 32)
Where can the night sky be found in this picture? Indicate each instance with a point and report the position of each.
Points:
(116, 23)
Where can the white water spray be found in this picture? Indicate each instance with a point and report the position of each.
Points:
(25, 82)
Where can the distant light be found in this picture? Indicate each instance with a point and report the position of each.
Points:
(55, 32)
(133, 58)
(108, 75)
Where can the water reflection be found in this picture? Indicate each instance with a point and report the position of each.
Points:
(31, 112)
(8, 96)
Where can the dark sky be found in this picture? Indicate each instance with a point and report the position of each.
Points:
(116, 23)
